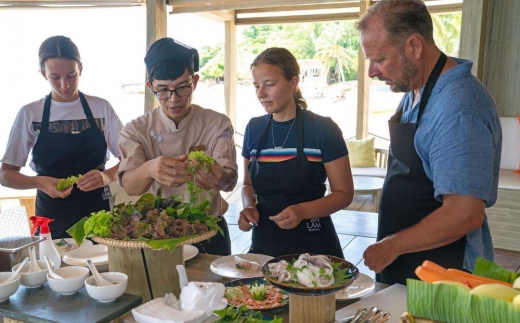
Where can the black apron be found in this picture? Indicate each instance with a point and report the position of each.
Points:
(218, 244)
(279, 185)
(408, 195)
(61, 155)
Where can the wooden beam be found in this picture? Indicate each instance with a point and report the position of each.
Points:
(219, 16)
(446, 8)
(156, 14)
(230, 71)
(320, 6)
(363, 86)
(189, 6)
(297, 19)
(473, 34)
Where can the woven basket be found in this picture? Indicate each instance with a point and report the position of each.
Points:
(132, 244)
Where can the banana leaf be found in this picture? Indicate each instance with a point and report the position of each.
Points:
(489, 269)
(452, 304)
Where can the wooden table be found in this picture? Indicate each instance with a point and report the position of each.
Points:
(369, 185)
(198, 270)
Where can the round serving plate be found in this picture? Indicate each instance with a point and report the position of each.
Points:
(260, 281)
(296, 288)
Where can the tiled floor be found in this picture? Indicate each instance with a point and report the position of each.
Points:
(351, 238)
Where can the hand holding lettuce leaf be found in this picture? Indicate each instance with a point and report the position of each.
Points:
(65, 183)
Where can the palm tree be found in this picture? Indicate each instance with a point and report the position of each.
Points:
(446, 32)
(331, 49)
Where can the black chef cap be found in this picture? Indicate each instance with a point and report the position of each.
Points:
(168, 48)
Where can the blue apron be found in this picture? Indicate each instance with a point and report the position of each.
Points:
(61, 155)
(408, 196)
(279, 185)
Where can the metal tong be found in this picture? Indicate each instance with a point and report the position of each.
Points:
(373, 315)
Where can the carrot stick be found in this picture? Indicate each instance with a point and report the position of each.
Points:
(430, 276)
(433, 266)
(466, 275)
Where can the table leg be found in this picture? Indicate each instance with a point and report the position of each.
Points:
(377, 195)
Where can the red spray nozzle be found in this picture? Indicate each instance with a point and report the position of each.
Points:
(42, 222)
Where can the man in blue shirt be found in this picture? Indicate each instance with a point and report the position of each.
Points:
(444, 152)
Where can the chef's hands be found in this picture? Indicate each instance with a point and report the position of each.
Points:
(170, 171)
(208, 176)
(92, 180)
(289, 218)
(247, 217)
(379, 255)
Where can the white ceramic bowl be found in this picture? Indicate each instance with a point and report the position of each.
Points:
(74, 279)
(107, 293)
(34, 279)
(8, 289)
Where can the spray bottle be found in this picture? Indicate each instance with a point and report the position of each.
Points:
(47, 247)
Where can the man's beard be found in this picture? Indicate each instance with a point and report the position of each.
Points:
(406, 77)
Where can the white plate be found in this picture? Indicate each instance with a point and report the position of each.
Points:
(189, 251)
(78, 257)
(360, 287)
(85, 243)
(226, 266)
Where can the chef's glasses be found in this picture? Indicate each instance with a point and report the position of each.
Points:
(181, 91)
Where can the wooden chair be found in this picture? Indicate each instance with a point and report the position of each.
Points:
(374, 177)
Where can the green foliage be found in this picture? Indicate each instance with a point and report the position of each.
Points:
(242, 315)
(212, 62)
(446, 32)
(67, 182)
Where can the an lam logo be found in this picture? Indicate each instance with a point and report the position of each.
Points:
(314, 225)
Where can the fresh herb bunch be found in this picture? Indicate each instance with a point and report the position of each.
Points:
(203, 161)
(242, 315)
(67, 182)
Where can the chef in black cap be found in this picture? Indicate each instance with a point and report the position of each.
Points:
(154, 147)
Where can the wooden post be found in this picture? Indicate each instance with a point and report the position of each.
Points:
(155, 29)
(363, 86)
(151, 273)
(312, 309)
(230, 69)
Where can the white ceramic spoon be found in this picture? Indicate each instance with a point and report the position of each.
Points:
(16, 273)
(100, 281)
(33, 265)
(51, 272)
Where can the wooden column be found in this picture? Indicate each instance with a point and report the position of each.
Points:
(230, 68)
(473, 34)
(156, 23)
(363, 86)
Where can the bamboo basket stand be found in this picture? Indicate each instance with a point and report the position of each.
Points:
(151, 273)
(312, 309)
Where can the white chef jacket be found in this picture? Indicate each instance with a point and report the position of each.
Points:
(154, 134)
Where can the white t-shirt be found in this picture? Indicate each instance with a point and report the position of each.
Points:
(65, 117)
